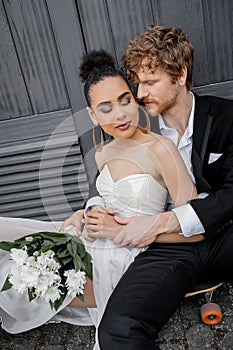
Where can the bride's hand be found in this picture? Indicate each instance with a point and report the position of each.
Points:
(75, 220)
(100, 223)
(98, 217)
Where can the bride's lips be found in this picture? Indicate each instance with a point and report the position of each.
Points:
(124, 126)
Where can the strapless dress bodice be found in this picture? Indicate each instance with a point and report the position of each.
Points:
(133, 195)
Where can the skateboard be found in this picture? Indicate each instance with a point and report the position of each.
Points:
(211, 313)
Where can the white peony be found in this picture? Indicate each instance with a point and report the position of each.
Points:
(49, 278)
(30, 275)
(19, 255)
(75, 282)
(18, 283)
(41, 288)
(31, 261)
(52, 294)
(46, 261)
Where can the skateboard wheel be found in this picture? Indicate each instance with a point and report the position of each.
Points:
(211, 313)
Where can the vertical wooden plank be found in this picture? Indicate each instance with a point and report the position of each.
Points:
(218, 17)
(14, 99)
(95, 23)
(188, 15)
(128, 19)
(69, 39)
(31, 30)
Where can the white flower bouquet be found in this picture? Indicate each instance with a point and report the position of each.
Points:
(48, 265)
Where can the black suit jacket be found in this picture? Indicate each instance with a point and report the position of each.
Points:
(212, 134)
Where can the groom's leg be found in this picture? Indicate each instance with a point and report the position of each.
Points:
(220, 258)
(147, 296)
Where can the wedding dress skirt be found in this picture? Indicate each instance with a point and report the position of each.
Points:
(134, 195)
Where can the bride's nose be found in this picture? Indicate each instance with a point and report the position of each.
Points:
(119, 113)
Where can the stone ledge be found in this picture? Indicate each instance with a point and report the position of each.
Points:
(184, 331)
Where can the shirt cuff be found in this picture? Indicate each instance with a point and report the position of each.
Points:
(94, 201)
(189, 221)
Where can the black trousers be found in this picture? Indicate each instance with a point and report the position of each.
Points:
(154, 285)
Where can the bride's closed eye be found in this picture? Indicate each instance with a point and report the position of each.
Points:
(125, 101)
(106, 109)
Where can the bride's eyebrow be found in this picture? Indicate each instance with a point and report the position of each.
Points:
(126, 93)
(119, 98)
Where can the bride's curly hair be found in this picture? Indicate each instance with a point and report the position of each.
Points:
(163, 47)
(96, 66)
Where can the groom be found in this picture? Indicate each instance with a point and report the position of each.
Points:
(160, 62)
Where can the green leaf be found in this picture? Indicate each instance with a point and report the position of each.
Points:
(47, 245)
(65, 261)
(77, 240)
(8, 245)
(57, 238)
(80, 247)
(62, 253)
(78, 264)
(87, 260)
(22, 240)
(7, 285)
(84, 263)
(80, 297)
(71, 249)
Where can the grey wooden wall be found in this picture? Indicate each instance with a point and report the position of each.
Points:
(42, 173)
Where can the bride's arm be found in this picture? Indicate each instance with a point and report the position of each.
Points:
(174, 173)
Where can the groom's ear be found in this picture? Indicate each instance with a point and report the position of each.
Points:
(92, 115)
(183, 76)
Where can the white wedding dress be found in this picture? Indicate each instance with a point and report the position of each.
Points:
(134, 195)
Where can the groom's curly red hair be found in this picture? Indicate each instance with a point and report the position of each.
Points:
(163, 47)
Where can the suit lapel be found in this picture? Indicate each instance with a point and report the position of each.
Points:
(201, 131)
(200, 122)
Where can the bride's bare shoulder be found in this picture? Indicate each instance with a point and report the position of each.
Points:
(162, 144)
(102, 155)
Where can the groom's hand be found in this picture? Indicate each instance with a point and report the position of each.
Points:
(137, 232)
(143, 230)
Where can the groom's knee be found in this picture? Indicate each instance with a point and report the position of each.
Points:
(123, 332)
(112, 331)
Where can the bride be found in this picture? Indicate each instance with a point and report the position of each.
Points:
(137, 171)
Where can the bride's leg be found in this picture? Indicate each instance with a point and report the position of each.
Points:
(89, 298)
